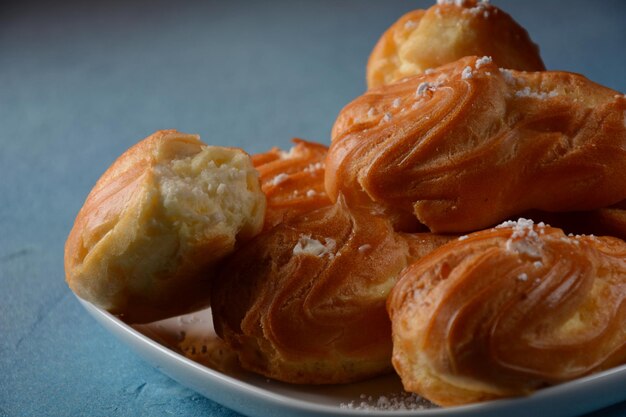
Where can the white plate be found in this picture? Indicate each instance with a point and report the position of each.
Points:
(164, 344)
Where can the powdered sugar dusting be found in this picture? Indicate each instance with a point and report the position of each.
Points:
(426, 86)
(521, 228)
(314, 167)
(463, 3)
(467, 73)
(508, 76)
(279, 179)
(527, 92)
(524, 238)
(289, 154)
(390, 402)
(423, 88)
(309, 246)
(481, 7)
(483, 61)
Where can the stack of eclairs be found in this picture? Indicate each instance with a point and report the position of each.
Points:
(464, 229)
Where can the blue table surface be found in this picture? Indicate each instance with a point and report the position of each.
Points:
(80, 82)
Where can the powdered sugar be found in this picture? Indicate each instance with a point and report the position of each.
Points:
(309, 246)
(314, 167)
(390, 402)
(467, 73)
(483, 61)
(462, 3)
(524, 238)
(507, 75)
(279, 179)
(523, 228)
(424, 87)
(527, 92)
(481, 7)
(289, 154)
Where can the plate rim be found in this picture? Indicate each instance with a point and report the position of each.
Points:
(286, 403)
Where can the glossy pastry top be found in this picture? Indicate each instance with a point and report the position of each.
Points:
(469, 145)
(305, 301)
(450, 30)
(292, 181)
(508, 310)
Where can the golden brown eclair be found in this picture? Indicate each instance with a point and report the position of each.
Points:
(426, 39)
(304, 302)
(156, 222)
(505, 311)
(292, 181)
(469, 145)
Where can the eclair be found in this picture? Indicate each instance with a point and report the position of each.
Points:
(145, 242)
(304, 302)
(509, 310)
(423, 40)
(293, 181)
(471, 144)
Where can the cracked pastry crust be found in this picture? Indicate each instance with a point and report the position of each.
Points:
(304, 302)
(148, 235)
(470, 144)
(446, 32)
(292, 181)
(505, 311)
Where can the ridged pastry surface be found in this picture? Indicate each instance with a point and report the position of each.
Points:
(469, 145)
(426, 39)
(304, 302)
(508, 310)
(293, 181)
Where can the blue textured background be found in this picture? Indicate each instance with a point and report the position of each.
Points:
(81, 82)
